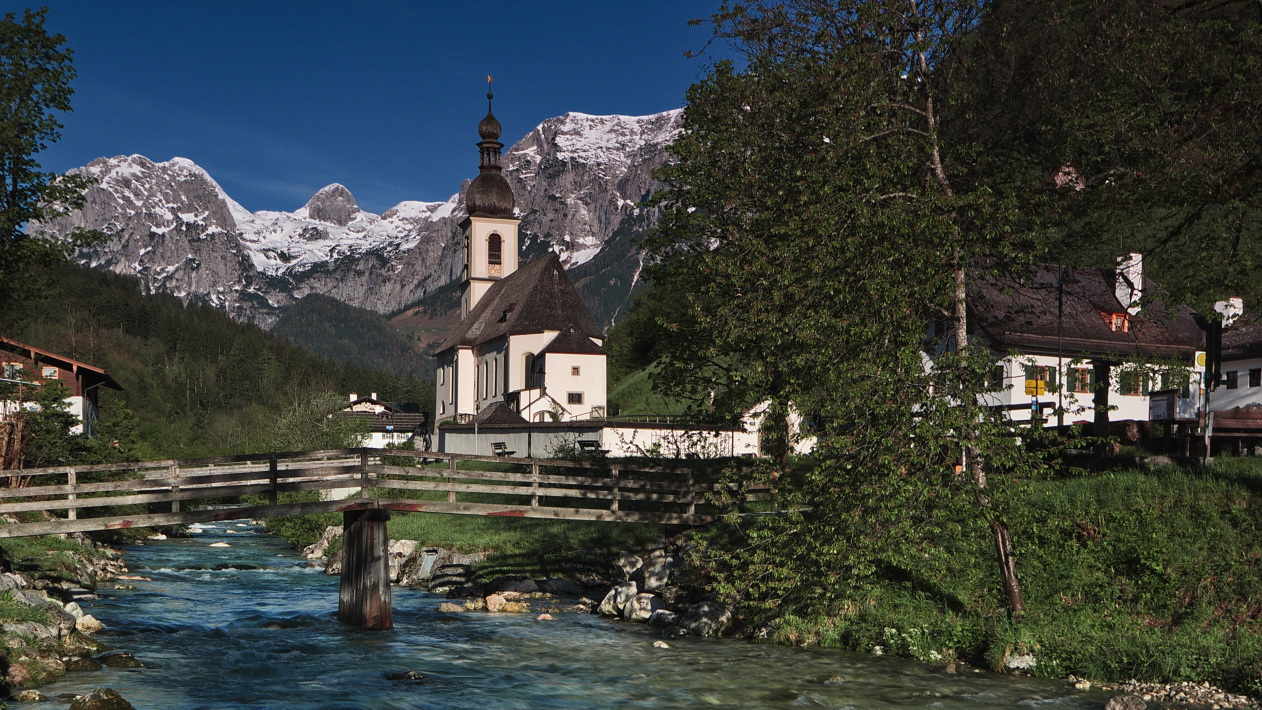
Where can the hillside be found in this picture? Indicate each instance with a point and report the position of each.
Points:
(195, 382)
(351, 336)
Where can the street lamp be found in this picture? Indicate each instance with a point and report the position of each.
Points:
(1066, 278)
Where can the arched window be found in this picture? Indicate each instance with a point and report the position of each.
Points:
(529, 370)
(494, 250)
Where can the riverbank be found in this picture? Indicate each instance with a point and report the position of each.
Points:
(44, 632)
(1146, 574)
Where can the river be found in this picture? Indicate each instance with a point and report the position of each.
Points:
(263, 633)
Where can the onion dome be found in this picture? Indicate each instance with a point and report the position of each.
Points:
(489, 195)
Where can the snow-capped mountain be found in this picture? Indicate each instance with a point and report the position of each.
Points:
(577, 179)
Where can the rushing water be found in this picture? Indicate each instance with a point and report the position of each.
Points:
(268, 637)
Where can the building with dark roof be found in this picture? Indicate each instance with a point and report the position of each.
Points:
(1087, 345)
(26, 365)
(526, 340)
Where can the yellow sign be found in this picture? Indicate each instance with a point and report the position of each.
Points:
(1035, 387)
(1200, 359)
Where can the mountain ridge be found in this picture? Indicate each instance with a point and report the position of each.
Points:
(579, 180)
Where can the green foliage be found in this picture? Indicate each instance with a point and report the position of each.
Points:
(345, 334)
(14, 611)
(1152, 111)
(311, 422)
(35, 76)
(198, 383)
(1128, 574)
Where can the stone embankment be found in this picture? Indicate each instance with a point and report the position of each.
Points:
(45, 633)
(650, 587)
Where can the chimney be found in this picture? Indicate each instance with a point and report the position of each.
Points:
(1129, 281)
(354, 396)
(374, 396)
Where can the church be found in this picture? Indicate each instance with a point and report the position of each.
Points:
(526, 349)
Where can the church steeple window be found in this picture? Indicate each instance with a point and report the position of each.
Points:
(494, 253)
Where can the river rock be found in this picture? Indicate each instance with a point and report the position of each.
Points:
(513, 583)
(451, 607)
(617, 598)
(628, 563)
(29, 695)
(83, 664)
(1020, 662)
(74, 610)
(515, 608)
(9, 581)
(495, 602)
(1125, 702)
(663, 617)
(100, 699)
(120, 659)
(706, 619)
(561, 587)
(406, 675)
(656, 572)
(400, 552)
(88, 624)
(641, 607)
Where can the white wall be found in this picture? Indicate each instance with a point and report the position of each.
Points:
(560, 381)
(1078, 405)
(1242, 394)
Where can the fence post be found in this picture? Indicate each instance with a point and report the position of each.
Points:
(175, 487)
(534, 485)
(451, 480)
(72, 513)
(613, 493)
(271, 475)
(363, 473)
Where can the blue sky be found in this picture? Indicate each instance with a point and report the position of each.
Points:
(278, 98)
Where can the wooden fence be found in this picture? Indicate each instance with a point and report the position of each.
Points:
(81, 498)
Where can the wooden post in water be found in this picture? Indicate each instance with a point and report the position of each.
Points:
(365, 592)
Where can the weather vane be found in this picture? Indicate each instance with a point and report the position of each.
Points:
(488, 87)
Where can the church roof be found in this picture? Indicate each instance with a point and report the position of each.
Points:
(498, 413)
(572, 342)
(535, 298)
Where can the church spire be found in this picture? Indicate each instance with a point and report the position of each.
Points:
(489, 193)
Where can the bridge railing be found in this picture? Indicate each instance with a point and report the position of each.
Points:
(168, 492)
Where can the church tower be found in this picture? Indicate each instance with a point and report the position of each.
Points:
(490, 231)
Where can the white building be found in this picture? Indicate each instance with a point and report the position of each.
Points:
(1061, 334)
(525, 338)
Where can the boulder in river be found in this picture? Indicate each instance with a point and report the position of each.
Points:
(120, 659)
(617, 598)
(706, 619)
(641, 606)
(100, 699)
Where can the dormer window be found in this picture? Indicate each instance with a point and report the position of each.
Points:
(494, 253)
(1120, 322)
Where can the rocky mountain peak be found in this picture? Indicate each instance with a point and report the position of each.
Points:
(333, 204)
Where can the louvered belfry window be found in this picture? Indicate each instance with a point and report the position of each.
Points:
(494, 250)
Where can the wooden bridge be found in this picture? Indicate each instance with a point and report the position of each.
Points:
(362, 484)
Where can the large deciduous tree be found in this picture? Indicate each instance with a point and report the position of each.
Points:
(35, 76)
(816, 223)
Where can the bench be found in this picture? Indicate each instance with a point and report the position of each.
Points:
(589, 446)
(499, 448)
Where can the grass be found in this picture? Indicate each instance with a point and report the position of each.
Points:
(48, 556)
(15, 611)
(1147, 574)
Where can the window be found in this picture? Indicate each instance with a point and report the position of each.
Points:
(1120, 322)
(1255, 377)
(442, 375)
(574, 398)
(495, 377)
(1134, 382)
(494, 250)
(442, 407)
(1038, 378)
(1232, 379)
(49, 373)
(13, 370)
(574, 371)
(1081, 379)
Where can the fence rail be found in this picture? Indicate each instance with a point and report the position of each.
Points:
(169, 492)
